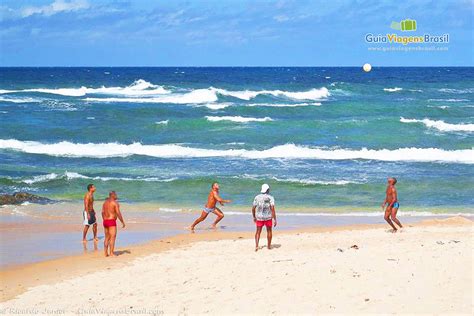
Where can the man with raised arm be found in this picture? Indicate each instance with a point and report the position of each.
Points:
(110, 213)
(211, 207)
(89, 213)
(392, 205)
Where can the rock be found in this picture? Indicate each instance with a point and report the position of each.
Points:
(22, 197)
(355, 247)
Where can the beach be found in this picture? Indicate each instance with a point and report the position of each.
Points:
(347, 269)
(325, 139)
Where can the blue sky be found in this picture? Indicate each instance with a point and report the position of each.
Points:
(226, 33)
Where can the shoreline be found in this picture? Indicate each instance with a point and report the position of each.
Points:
(36, 233)
(19, 279)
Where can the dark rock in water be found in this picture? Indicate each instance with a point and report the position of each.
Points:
(22, 197)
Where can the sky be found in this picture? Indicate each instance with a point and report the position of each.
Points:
(229, 32)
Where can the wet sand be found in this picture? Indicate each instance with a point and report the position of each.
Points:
(35, 233)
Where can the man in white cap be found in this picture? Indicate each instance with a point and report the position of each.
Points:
(263, 211)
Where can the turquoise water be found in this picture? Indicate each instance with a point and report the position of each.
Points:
(325, 139)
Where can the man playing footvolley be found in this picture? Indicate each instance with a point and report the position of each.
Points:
(391, 203)
(89, 213)
(110, 212)
(211, 207)
(263, 211)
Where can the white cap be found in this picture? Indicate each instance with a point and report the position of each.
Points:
(265, 188)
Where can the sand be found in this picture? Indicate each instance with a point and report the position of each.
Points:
(426, 268)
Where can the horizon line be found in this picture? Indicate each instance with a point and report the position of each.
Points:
(275, 66)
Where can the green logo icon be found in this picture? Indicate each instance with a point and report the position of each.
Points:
(404, 26)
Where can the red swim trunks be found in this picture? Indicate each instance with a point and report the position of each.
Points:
(110, 222)
(267, 223)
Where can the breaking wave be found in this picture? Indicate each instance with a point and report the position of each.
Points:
(441, 125)
(287, 151)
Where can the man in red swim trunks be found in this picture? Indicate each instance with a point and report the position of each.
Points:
(263, 211)
(110, 212)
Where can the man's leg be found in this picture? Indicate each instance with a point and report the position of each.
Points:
(106, 241)
(388, 211)
(257, 236)
(112, 236)
(94, 229)
(394, 217)
(84, 233)
(220, 216)
(269, 237)
(199, 219)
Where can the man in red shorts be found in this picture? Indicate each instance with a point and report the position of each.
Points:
(110, 212)
(263, 211)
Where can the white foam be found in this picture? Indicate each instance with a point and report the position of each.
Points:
(237, 119)
(392, 89)
(165, 122)
(313, 94)
(457, 91)
(313, 182)
(74, 175)
(288, 151)
(137, 88)
(19, 100)
(6, 91)
(217, 106)
(41, 178)
(448, 100)
(285, 104)
(441, 125)
(194, 97)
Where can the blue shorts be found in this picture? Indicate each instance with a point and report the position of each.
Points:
(209, 210)
(395, 205)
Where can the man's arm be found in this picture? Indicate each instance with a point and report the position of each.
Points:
(274, 215)
(220, 200)
(119, 215)
(384, 201)
(253, 213)
(86, 206)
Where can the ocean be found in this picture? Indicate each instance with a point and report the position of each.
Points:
(324, 139)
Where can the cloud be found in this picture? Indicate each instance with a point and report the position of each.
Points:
(56, 7)
(281, 18)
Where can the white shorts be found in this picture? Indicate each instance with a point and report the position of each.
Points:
(92, 221)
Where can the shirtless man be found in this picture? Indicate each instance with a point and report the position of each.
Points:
(391, 201)
(212, 200)
(110, 212)
(89, 213)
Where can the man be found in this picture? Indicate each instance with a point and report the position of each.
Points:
(391, 201)
(89, 213)
(263, 211)
(110, 212)
(212, 200)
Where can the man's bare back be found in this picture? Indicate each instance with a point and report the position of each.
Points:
(110, 213)
(109, 209)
